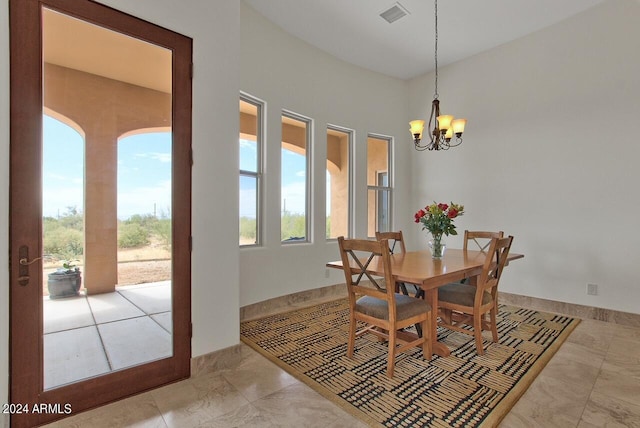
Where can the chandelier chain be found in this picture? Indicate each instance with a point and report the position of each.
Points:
(435, 94)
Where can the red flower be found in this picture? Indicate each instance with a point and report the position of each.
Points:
(419, 215)
(443, 207)
(453, 213)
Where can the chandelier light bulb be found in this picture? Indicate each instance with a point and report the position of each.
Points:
(449, 134)
(458, 126)
(444, 122)
(416, 127)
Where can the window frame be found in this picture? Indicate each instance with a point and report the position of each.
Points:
(308, 217)
(259, 173)
(389, 187)
(350, 178)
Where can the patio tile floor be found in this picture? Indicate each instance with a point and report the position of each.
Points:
(87, 336)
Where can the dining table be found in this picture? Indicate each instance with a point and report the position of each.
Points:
(421, 269)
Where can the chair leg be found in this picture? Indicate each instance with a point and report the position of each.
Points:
(446, 315)
(494, 328)
(477, 332)
(352, 337)
(427, 346)
(391, 359)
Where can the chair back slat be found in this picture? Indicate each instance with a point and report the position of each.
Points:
(482, 239)
(394, 238)
(493, 266)
(357, 255)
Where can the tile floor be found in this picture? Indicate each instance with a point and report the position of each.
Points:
(87, 336)
(592, 381)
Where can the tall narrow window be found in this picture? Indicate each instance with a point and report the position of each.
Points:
(339, 142)
(379, 184)
(250, 169)
(295, 185)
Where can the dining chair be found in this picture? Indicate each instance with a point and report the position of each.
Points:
(396, 239)
(379, 307)
(482, 240)
(467, 304)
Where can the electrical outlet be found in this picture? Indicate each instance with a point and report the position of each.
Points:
(326, 273)
(592, 289)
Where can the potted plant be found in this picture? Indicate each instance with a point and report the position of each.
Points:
(66, 281)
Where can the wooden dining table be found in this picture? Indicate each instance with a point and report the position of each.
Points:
(419, 268)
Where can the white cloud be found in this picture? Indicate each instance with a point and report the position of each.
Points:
(250, 145)
(159, 156)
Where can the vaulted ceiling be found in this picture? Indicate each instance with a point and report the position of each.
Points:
(353, 30)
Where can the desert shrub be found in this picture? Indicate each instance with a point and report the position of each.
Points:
(131, 235)
(162, 230)
(248, 228)
(293, 226)
(63, 243)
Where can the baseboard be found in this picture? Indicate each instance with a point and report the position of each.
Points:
(571, 309)
(227, 358)
(292, 301)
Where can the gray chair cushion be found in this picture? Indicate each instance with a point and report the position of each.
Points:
(461, 294)
(406, 307)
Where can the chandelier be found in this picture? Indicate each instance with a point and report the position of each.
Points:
(444, 126)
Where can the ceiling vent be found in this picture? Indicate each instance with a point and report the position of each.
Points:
(394, 13)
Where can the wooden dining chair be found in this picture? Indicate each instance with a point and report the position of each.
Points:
(379, 307)
(397, 240)
(482, 240)
(467, 304)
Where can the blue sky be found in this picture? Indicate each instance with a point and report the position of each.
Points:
(293, 180)
(144, 172)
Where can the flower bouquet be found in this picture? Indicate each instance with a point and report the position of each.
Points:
(438, 220)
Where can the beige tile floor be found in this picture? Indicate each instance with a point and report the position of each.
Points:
(592, 381)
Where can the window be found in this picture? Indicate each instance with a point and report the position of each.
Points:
(339, 143)
(378, 184)
(295, 183)
(250, 169)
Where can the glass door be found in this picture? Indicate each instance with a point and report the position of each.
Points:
(100, 257)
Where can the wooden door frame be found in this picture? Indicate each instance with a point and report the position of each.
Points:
(25, 218)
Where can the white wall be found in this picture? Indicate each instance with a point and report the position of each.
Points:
(289, 74)
(214, 26)
(550, 154)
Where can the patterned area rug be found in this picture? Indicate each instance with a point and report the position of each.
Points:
(462, 390)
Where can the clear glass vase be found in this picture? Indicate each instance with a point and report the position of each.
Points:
(437, 246)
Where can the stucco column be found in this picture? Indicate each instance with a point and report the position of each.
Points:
(100, 212)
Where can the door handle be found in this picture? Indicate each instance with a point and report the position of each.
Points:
(25, 262)
(23, 269)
